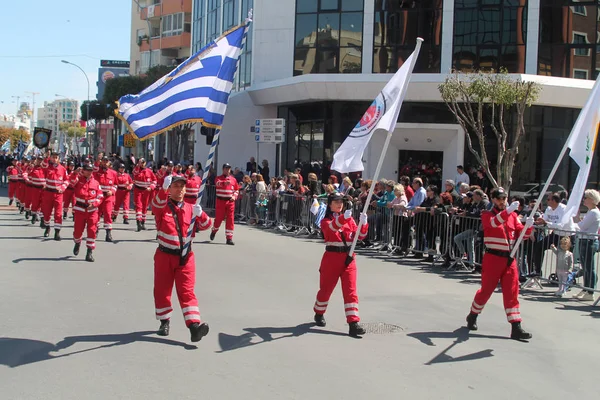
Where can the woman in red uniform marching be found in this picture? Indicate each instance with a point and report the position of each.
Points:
(339, 229)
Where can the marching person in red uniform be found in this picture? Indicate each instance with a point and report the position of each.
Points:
(23, 166)
(339, 229)
(27, 189)
(144, 183)
(37, 181)
(98, 161)
(501, 228)
(68, 194)
(124, 186)
(52, 200)
(107, 178)
(192, 190)
(13, 181)
(88, 196)
(173, 217)
(227, 193)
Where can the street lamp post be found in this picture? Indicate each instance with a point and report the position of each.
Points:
(88, 102)
(18, 105)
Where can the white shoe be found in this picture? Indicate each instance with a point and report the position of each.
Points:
(578, 295)
(587, 297)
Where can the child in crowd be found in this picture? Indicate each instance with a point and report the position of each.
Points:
(261, 207)
(564, 264)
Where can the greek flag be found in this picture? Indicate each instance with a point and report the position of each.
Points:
(320, 214)
(21, 147)
(197, 91)
(6, 146)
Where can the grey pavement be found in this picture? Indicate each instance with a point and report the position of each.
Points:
(76, 330)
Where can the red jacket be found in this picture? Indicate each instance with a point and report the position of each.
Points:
(107, 178)
(144, 178)
(334, 226)
(56, 178)
(124, 181)
(192, 187)
(166, 228)
(227, 187)
(497, 225)
(13, 173)
(72, 178)
(87, 191)
(36, 177)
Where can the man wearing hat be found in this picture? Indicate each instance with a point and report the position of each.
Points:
(171, 264)
(13, 180)
(23, 166)
(501, 228)
(68, 194)
(227, 193)
(192, 190)
(88, 197)
(57, 181)
(107, 178)
(36, 181)
(144, 183)
(124, 186)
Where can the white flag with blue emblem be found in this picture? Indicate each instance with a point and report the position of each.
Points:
(6, 146)
(382, 114)
(197, 91)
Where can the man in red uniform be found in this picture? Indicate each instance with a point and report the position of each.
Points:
(52, 200)
(144, 183)
(68, 194)
(13, 180)
(227, 192)
(27, 188)
(88, 196)
(501, 228)
(107, 178)
(124, 186)
(23, 166)
(339, 229)
(37, 181)
(173, 217)
(192, 189)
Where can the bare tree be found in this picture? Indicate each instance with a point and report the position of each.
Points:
(182, 133)
(485, 100)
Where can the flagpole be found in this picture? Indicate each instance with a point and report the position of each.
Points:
(552, 173)
(350, 256)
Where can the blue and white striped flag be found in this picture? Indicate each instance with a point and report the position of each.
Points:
(6, 146)
(321, 214)
(196, 91)
(21, 147)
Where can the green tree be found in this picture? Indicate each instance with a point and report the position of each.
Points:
(121, 86)
(483, 102)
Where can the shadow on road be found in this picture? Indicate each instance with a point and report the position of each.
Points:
(231, 342)
(17, 352)
(459, 335)
(65, 258)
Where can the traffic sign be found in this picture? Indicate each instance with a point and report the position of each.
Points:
(270, 122)
(272, 130)
(257, 138)
(269, 138)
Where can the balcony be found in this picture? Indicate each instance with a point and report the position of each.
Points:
(170, 42)
(166, 7)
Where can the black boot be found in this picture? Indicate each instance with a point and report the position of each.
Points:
(33, 219)
(89, 257)
(57, 235)
(139, 226)
(356, 329)
(143, 225)
(76, 249)
(472, 321)
(198, 331)
(10, 202)
(164, 328)
(126, 221)
(212, 235)
(108, 236)
(27, 214)
(320, 320)
(42, 223)
(230, 242)
(47, 232)
(64, 215)
(21, 210)
(518, 333)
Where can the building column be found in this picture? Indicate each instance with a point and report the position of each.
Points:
(368, 35)
(533, 37)
(447, 36)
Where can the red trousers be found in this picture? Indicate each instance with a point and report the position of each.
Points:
(333, 268)
(84, 220)
(106, 211)
(224, 210)
(121, 199)
(34, 200)
(141, 199)
(27, 197)
(168, 271)
(52, 201)
(12, 189)
(68, 199)
(494, 269)
(21, 193)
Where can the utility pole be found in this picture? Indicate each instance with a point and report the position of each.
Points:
(32, 111)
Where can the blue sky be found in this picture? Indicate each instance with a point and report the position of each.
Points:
(37, 34)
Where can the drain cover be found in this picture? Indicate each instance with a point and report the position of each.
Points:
(381, 328)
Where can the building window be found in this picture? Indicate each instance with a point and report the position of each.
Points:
(145, 60)
(397, 25)
(490, 35)
(569, 39)
(213, 20)
(172, 25)
(329, 36)
(230, 14)
(244, 72)
(199, 21)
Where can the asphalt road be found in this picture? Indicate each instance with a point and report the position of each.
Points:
(76, 330)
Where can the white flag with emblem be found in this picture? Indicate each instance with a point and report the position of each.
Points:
(382, 114)
(582, 142)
